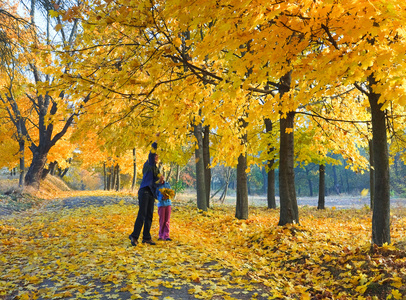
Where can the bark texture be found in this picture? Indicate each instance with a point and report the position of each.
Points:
(289, 212)
(371, 175)
(200, 179)
(241, 209)
(322, 187)
(381, 210)
(206, 158)
(271, 171)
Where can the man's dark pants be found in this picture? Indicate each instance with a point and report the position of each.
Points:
(145, 213)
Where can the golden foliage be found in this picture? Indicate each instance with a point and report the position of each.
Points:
(85, 253)
(168, 193)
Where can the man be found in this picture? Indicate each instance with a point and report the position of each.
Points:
(146, 199)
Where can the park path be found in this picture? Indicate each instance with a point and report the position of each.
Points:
(147, 266)
(160, 286)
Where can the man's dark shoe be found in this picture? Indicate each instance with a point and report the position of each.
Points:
(168, 239)
(151, 242)
(133, 241)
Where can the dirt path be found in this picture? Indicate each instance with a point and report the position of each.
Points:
(149, 275)
(53, 262)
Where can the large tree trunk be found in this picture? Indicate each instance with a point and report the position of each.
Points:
(34, 173)
(322, 187)
(206, 159)
(371, 174)
(381, 211)
(271, 171)
(241, 209)
(289, 212)
(200, 178)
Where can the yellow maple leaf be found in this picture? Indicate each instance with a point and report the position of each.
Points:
(396, 294)
(397, 282)
(289, 130)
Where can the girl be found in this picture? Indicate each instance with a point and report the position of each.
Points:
(164, 210)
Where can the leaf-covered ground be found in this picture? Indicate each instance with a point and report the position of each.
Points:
(79, 248)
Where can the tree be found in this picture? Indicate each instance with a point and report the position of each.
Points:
(13, 32)
(241, 208)
(322, 187)
(206, 159)
(200, 167)
(375, 71)
(43, 115)
(271, 171)
(381, 205)
(371, 174)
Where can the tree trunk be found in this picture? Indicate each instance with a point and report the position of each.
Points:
(200, 175)
(108, 178)
(381, 211)
(49, 170)
(241, 210)
(227, 183)
(22, 163)
(271, 186)
(289, 212)
(177, 179)
(322, 187)
(134, 170)
(206, 159)
(118, 183)
(169, 174)
(110, 173)
(112, 179)
(34, 173)
(63, 173)
(52, 167)
(105, 176)
(371, 175)
(271, 172)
